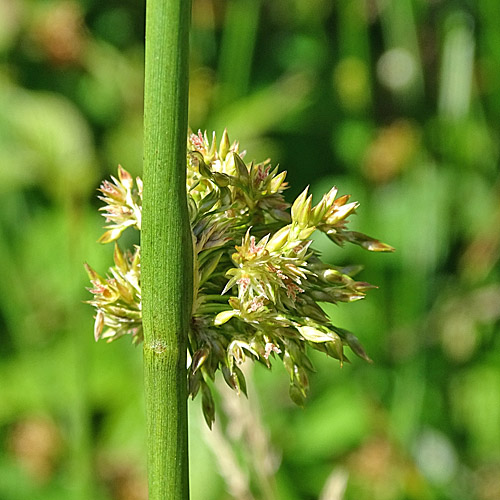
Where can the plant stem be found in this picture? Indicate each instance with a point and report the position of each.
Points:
(166, 247)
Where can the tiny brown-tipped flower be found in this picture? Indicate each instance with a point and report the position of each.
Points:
(93, 276)
(199, 358)
(231, 379)
(125, 178)
(119, 259)
(123, 205)
(354, 343)
(111, 235)
(98, 324)
(369, 243)
(340, 213)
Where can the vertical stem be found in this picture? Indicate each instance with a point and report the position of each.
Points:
(166, 247)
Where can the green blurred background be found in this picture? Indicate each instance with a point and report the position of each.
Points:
(394, 101)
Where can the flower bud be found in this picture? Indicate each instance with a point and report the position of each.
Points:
(98, 325)
(119, 259)
(278, 240)
(194, 383)
(241, 168)
(199, 358)
(111, 235)
(297, 395)
(314, 335)
(230, 379)
(298, 204)
(222, 180)
(225, 145)
(125, 178)
(208, 405)
(277, 182)
(225, 316)
(355, 345)
(370, 244)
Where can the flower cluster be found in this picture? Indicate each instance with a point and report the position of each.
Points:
(258, 282)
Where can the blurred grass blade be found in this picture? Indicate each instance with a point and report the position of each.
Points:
(237, 48)
(457, 67)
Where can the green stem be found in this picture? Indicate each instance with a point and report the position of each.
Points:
(166, 247)
(215, 298)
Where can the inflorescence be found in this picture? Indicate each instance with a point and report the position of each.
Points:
(258, 283)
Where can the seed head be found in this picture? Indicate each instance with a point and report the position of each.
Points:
(259, 284)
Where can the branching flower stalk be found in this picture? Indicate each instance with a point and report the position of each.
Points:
(258, 283)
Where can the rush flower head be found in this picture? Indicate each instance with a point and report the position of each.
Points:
(259, 284)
